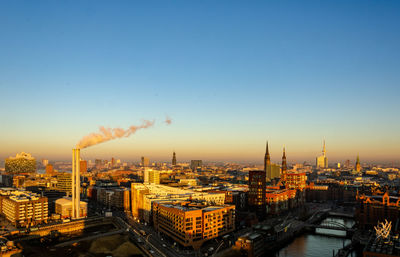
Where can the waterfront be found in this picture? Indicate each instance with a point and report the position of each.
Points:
(318, 244)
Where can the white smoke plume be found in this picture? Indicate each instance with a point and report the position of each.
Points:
(168, 120)
(107, 134)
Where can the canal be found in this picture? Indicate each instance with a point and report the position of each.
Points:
(320, 244)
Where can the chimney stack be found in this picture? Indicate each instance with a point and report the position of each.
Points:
(76, 183)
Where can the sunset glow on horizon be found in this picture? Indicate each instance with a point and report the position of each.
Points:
(217, 89)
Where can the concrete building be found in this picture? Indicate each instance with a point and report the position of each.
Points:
(191, 224)
(151, 176)
(144, 195)
(273, 171)
(257, 187)
(145, 162)
(83, 166)
(196, 164)
(114, 197)
(23, 208)
(64, 182)
(63, 207)
(49, 169)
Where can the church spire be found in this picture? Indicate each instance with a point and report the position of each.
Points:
(324, 149)
(284, 165)
(267, 159)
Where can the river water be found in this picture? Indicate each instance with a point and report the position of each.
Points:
(319, 244)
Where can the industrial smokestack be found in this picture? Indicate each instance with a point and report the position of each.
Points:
(107, 134)
(76, 183)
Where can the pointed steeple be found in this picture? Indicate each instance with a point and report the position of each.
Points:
(267, 156)
(284, 165)
(324, 149)
(173, 159)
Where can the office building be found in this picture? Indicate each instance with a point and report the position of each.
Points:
(45, 162)
(83, 166)
(151, 176)
(23, 208)
(257, 191)
(322, 160)
(64, 182)
(144, 195)
(191, 224)
(196, 165)
(145, 162)
(49, 169)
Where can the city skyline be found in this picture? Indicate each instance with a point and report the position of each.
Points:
(229, 75)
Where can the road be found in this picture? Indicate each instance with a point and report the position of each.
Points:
(154, 241)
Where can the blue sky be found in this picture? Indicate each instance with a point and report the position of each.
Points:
(230, 74)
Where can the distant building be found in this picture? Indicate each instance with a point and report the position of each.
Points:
(174, 159)
(273, 171)
(322, 160)
(151, 176)
(64, 182)
(358, 165)
(284, 166)
(49, 169)
(21, 163)
(145, 161)
(196, 164)
(191, 224)
(45, 162)
(83, 166)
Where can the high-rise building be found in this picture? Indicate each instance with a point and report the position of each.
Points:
(358, 165)
(83, 166)
(174, 159)
(49, 169)
(322, 160)
(257, 192)
(284, 166)
(145, 162)
(191, 224)
(151, 176)
(45, 162)
(21, 163)
(196, 164)
(64, 182)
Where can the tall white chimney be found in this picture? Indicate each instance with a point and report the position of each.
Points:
(76, 183)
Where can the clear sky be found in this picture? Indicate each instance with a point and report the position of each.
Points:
(230, 74)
